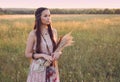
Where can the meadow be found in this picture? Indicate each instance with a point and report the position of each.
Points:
(94, 57)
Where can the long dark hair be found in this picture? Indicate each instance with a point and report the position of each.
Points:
(37, 26)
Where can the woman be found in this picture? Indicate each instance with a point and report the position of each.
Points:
(41, 44)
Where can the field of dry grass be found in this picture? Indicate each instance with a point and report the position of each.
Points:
(94, 57)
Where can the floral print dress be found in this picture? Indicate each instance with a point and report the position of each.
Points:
(51, 73)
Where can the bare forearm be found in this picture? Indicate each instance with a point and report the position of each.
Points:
(29, 55)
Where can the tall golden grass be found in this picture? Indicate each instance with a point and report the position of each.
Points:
(94, 57)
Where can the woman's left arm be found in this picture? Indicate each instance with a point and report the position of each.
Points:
(56, 55)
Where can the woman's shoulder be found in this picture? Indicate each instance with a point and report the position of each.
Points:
(32, 33)
(55, 33)
(54, 30)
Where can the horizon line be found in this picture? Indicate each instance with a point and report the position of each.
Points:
(53, 8)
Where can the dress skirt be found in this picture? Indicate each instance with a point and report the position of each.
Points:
(43, 76)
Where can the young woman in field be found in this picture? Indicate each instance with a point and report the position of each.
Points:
(41, 43)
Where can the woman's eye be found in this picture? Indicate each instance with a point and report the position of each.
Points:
(47, 16)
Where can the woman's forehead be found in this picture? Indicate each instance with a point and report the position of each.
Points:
(45, 12)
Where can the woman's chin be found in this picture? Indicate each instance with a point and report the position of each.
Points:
(47, 23)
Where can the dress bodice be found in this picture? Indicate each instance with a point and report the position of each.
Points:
(44, 44)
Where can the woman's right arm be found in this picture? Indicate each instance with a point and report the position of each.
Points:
(29, 46)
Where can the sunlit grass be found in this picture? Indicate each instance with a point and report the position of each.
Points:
(94, 57)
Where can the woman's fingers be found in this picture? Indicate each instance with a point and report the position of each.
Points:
(60, 52)
(56, 55)
(50, 59)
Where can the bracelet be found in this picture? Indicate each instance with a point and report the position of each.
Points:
(33, 55)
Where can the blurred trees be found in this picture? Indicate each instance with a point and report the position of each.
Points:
(60, 11)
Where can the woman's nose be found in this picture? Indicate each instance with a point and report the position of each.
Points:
(49, 18)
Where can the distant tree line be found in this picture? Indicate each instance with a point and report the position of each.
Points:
(60, 11)
(16, 11)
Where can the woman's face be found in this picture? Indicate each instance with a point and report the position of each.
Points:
(45, 17)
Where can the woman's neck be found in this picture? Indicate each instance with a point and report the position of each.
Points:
(44, 27)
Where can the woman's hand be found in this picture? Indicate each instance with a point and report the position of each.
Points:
(48, 58)
(56, 55)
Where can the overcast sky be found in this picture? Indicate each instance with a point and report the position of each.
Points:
(60, 3)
